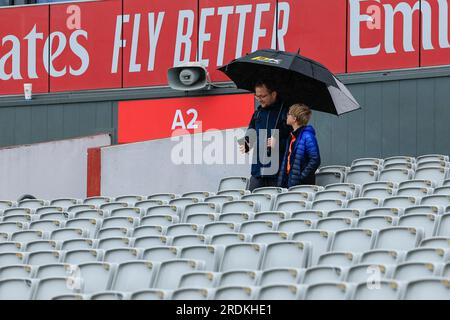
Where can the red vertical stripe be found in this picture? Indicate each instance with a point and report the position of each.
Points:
(94, 173)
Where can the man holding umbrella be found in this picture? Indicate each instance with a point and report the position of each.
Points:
(270, 131)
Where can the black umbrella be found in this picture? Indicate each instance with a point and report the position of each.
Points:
(296, 78)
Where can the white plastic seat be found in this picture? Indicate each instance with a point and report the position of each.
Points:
(338, 258)
(12, 258)
(7, 204)
(361, 177)
(113, 232)
(376, 222)
(114, 242)
(82, 256)
(424, 209)
(46, 225)
(33, 203)
(48, 288)
(169, 273)
(25, 218)
(80, 207)
(201, 218)
(11, 227)
(444, 190)
(47, 209)
(327, 205)
(396, 175)
(436, 200)
(279, 275)
(384, 211)
(269, 190)
(434, 255)
(219, 227)
(161, 253)
(108, 295)
(145, 204)
(183, 202)
(90, 225)
(400, 202)
(200, 208)
(233, 183)
(272, 215)
(402, 166)
(380, 193)
(269, 237)
(12, 246)
(306, 188)
(150, 294)
(409, 271)
(328, 291)
(382, 256)
(97, 276)
(68, 233)
(326, 178)
(65, 202)
(29, 235)
(320, 240)
(318, 274)
(238, 278)
(219, 200)
(354, 189)
(17, 271)
(417, 183)
(436, 242)
(164, 209)
(443, 227)
(252, 227)
(295, 225)
(88, 214)
(235, 217)
(428, 222)
(312, 215)
(242, 256)
(435, 174)
(201, 195)
(399, 238)
(108, 207)
(428, 289)
(414, 192)
(293, 196)
(128, 212)
(162, 196)
(145, 242)
(228, 238)
(130, 199)
(134, 275)
(240, 206)
(432, 157)
(182, 228)
(147, 231)
(44, 257)
(367, 272)
(235, 193)
(280, 292)
(17, 211)
(335, 224)
(17, 289)
(398, 159)
(77, 244)
(354, 240)
(188, 240)
(369, 161)
(120, 255)
(332, 195)
(288, 254)
(266, 201)
(192, 294)
(163, 220)
(379, 184)
(235, 293)
(199, 279)
(365, 167)
(382, 290)
(364, 203)
(56, 270)
(292, 206)
(97, 201)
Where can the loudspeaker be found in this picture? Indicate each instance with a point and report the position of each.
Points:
(191, 76)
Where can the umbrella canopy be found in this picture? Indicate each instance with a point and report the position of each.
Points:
(296, 78)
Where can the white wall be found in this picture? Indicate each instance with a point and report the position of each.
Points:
(148, 167)
(47, 170)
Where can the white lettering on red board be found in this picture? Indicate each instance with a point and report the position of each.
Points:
(179, 123)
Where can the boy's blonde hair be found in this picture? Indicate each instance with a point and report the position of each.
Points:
(301, 113)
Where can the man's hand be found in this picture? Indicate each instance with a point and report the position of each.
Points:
(242, 148)
(271, 142)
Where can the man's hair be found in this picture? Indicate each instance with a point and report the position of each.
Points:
(265, 83)
(301, 113)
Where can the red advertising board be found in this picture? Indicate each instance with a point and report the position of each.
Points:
(158, 119)
(436, 26)
(23, 33)
(383, 34)
(86, 45)
(158, 34)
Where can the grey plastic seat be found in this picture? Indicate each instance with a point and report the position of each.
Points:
(266, 201)
(65, 202)
(235, 193)
(6, 204)
(25, 218)
(379, 184)
(287, 254)
(354, 240)
(199, 279)
(293, 196)
(235, 293)
(68, 233)
(161, 253)
(200, 208)
(144, 231)
(29, 235)
(201, 218)
(338, 258)
(428, 222)
(150, 294)
(242, 256)
(233, 183)
(402, 166)
(170, 272)
(444, 190)
(97, 201)
(33, 203)
(145, 242)
(376, 222)
(417, 183)
(436, 242)
(145, 204)
(120, 255)
(399, 238)
(90, 225)
(312, 215)
(295, 225)
(434, 255)
(436, 200)
(240, 206)
(384, 211)
(361, 177)
(354, 189)
(320, 240)
(182, 228)
(17, 211)
(134, 275)
(409, 271)
(280, 292)
(114, 242)
(435, 174)
(252, 227)
(328, 291)
(43, 257)
(365, 167)
(77, 244)
(327, 178)
(306, 188)
(333, 168)
(235, 217)
(367, 272)
(201, 195)
(183, 202)
(228, 238)
(47, 209)
(130, 199)
(432, 157)
(332, 195)
(292, 206)
(17, 271)
(17, 289)
(279, 275)
(98, 276)
(45, 225)
(269, 237)
(364, 203)
(319, 274)
(345, 213)
(382, 290)
(272, 215)
(219, 200)
(335, 224)
(192, 294)
(399, 159)
(163, 210)
(443, 227)
(56, 270)
(396, 175)
(163, 220)
(82, 256)
(128, 212)
(428, 289)
(48, 288)
(327, 205)
(414, 192)
(87, 214)
(424, 209)
(268, 190)
(401, 202)
(369, 161)
(162, 196)
(108, 295)
(186, 240)
(243, 277)
(11, 227)
(382, 256)
(12, 246)
(380, 193)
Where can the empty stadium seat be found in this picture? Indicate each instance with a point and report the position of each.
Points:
(376, 222)
(130, 199)
(335, 224)
(48, 288)
(192, 294)
(381, 256)
(271, 215)
(17, 289)
(233, 183)
(312, 215)
(361, 177)
(328, 291)
(265, 201)
(134, 275)
(435, 174)
(380, 193)
(428, 222)
(17, 271)
(327, 205)
(98, 276)
(395, 175)
(318, 274)
(199, 279)
(150, 294)
(381, 290)
(269, 237)
(162, 196)
(210, 254)
(169, 272)
(435, 255)
(320, 240)
(235, 193)
(367, 272)
(236, 217)
(238, 278)
(354, 240)
(399, 238)
(280, 292)
(436, 242)
(443, 228)
(235, 293)
(250, 256)
(114, 242)
(325, 178)
(341, 259)
(293, 254)
(279, 275)
(428, 289)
